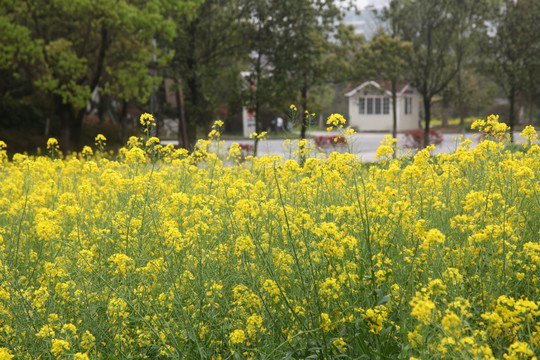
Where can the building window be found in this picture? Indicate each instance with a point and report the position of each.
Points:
(408, 105)
(386, 106)
(373, 105)
(377, 105)
(370, 105)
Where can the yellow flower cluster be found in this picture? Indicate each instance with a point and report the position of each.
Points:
(160, 253)
(238, 336)
(215, 133)
(147, 120)
(491, 127)
(3, 152)
(259, 136)
(335, 120)
(387, 148)
(100, 140)
(52, 143)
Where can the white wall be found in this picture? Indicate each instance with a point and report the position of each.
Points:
(368, 122)
(408, 121)
(383, 122)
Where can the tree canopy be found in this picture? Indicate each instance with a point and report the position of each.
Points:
(514, 50)
(437, 30)
(57, 54)
(385, 57)
(67, 48)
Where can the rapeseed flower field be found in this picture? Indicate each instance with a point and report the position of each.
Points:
(156, 253)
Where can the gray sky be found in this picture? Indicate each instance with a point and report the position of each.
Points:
(377, 3)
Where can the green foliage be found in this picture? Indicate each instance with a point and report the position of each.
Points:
(207, 45)
(345, 48)
(13, 35)
(514, 49)
(385, 57)
(437, 30)
(302, 34)
(67, 48)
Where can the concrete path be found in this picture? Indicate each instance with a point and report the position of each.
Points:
(364, 145)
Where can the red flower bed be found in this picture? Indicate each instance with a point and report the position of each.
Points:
(325, 141)
(414, 139)
(245, 150)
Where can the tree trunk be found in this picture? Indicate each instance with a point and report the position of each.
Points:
(182, 127)
(426, 93)
(427, 119)
(256, 102)
(192, 106)
(531, 103)
(70, 124)
(191, 135)
(192, 111)
(258, 125)
(304, 126)
(394, 112)
(103, 100)
(461, 107)
(123, 123)
(153, 131)
(77, 128)
(444, 114)
(512, 116)
(70, 127)
(102, 108)
(65, 126)
(47, 127)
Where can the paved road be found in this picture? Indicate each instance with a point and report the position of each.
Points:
(364, 145)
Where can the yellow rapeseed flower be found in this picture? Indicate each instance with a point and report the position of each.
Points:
(518, 350)
(422, 308)
(326, 323)
(451, 323)
(52, 143)
(147, 119)
(100, 140)
(5, 354)
(238, 336)
(80, 356)
(59, 346)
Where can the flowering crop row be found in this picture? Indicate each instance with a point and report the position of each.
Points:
(158, 254)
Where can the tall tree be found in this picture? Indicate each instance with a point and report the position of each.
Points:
(470, 93)
(471, 18)
(385, 57)
(207, 45)
(514, 50)
(434, 28)
(262, 87)
(302, 30)
(76, 44)
(343, 54)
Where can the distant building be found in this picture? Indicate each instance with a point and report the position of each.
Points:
(370, 107)
(366, 22)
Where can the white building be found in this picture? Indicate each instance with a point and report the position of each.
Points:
(370, 107)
